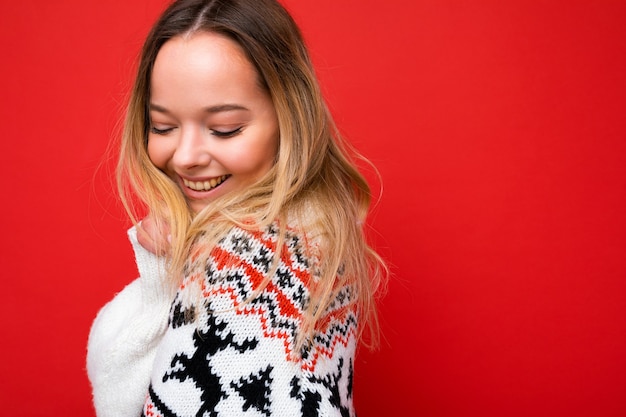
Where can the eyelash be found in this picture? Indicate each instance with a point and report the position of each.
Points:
(217, 133)
(160, 131)
(228, 134)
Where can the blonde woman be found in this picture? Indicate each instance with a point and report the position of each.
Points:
(256, 281)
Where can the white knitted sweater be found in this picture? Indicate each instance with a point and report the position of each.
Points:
(124, 338)
(223, 345)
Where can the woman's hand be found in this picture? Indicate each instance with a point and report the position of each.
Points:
(152, 237)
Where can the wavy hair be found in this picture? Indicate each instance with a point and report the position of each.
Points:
(314, 178)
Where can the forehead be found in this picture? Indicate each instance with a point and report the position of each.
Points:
(201, 50)
(203, 62)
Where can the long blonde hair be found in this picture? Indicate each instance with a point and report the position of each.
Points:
(314, 170)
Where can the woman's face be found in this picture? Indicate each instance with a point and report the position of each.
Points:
(213, 129)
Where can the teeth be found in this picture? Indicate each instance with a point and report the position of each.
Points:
(204, 185)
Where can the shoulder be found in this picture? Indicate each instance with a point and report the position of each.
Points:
(267, 250)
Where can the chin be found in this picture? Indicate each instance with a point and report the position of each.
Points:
(197, 207)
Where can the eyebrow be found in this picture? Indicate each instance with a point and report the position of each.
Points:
(219, 108)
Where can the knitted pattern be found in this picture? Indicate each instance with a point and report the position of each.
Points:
(229, 346)
(125, 336)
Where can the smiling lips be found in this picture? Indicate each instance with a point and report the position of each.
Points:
(205, 185)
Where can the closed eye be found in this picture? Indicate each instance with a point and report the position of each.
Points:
(158, 131)
(227, 134)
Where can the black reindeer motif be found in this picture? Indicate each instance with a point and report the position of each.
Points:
(197, 367)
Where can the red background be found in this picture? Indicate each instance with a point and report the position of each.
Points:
(498, 128)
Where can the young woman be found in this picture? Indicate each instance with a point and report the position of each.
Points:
(256, 280)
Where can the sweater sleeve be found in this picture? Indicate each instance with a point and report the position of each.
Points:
(124, 337)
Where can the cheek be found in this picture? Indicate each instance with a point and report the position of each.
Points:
(257, 158)
(159, 153)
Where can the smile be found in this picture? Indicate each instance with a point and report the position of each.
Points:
(205, 185)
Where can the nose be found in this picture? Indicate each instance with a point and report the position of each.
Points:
(191, 150)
